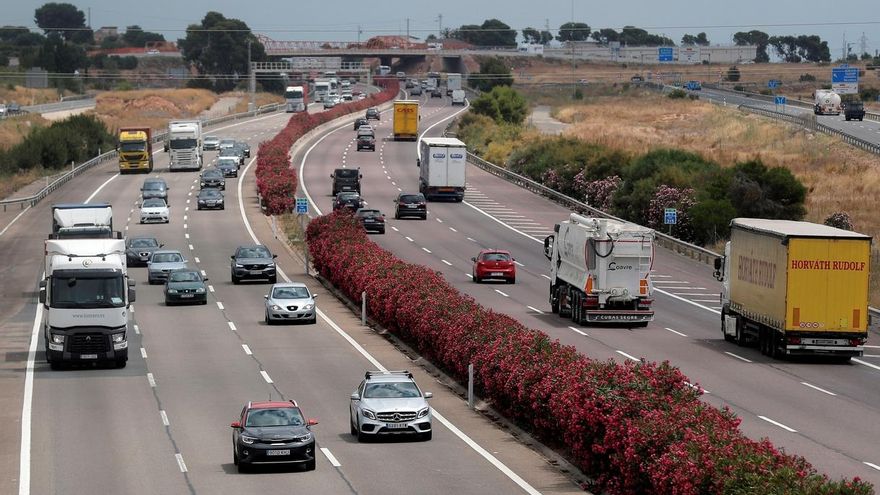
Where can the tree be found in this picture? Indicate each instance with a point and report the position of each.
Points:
(62, 18)
(57, 56)
(573, 31)
(503, 104)
(633, 36)
(757, 38)
(493, 72)
(135, 36)
(219, 47)
(491, 33)
(605, 36)
(531, 35)
(733, 74)
(799, 48)
(700, 39)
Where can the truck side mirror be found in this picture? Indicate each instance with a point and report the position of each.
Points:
(548, 247)
(42, 292)
(418, 162)
(132, 294)
(718, 263)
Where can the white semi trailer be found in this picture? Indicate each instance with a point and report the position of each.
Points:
(185, 145)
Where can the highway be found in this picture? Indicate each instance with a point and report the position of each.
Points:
(161, 425)
(826, 412)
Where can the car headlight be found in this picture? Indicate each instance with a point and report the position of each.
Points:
(303, 438)
(172, 291)
(248, 440)
(369, 414)
(57, 339)
(308, 306)
(118, 337)
(200, 290)
(239, 265)
(276, 307)
(424, 412)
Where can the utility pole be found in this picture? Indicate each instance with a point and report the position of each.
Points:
(252, 83)
(407, 29)
(439, 26)
(571, 40)
(360, 31)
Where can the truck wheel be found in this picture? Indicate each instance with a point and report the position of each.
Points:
(554, 301)
(740, 338)
(575, 309)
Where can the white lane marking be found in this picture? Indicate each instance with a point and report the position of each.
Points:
(471, 239)
(395, 229)
(777, 423)
(448, 263)
(870, 464)
(410, 239)
(676, 332)
(92, 196)
(231, 326)
(426, 250)
(487, 214)
(197, 259)
(186, 235)
(536, 310)
(660, 276)
(185, 227)
(266, 376)
(872, 346)
(126, 227)
(576, 330)
(706, 300)
(866, 364)
(738, 357)
(14, 220)
(151, 380)
(203, 273)
(399, 190)
(143, 353)
(187, 201)
(688, 294)
(820, 389)
(184, 219)
(186, 209)
(137, 330)
(707, 308)
(302, 183)
(164, 416)
(518, 263)
(628, 356)
(24, 461)
(128, 219)
(180, 463)
(672, 282)
(438, 220)
(546, 276)
(469, 275)
(452, 229)
(247, 350)
(330, 457)
(503, 294)
(131, 308)
(220, 305)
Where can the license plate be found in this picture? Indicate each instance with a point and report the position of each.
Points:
(395, 426)
(186, 296)
(89, 356)
(497, 274)
(278, 452)
(411, 206)
(256, 272)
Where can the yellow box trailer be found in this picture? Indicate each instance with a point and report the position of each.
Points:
(406, 120)
(795, 287)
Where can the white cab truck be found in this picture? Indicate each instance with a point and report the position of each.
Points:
(453, 82)
(827, 102)
(795, 288)
(600, 271)
(82, 221)
(184, 143)
(442, 163)
(87, 295)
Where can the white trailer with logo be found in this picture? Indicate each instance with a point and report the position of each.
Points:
(442, 163)
(184, 144)
(600, 271)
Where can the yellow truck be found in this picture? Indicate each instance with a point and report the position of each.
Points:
(135, 150)
(406, 120)
(795, 288)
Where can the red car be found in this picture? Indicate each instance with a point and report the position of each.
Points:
(494, 264)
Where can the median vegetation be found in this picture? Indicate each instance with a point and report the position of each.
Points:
(633, 428)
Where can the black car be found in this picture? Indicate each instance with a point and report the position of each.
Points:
(372, 220)
(359, 122)
(366, 142)
(139, 249)
(253, 262)
(244, 147)
(212, 178)
(436, 93)
(410, 205)
(273, 432)
(211, 199)
(155, 188)
(346, 179)
(229, 168)
(234, 152)
(185, 286)
(351, 200)
(372, 114)
(416, 90)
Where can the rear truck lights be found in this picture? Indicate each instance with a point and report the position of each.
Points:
(643, 287)
(794, 340)
(857, 341)
(588, 287)
(645, 303)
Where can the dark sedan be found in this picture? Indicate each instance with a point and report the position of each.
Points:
(210, 199)
(348, 199)
(185, 286)
(139, 249)
(229, 168)
(245, 147)
(359, 122)
(410, 205)
(212, 178)
(372, 220)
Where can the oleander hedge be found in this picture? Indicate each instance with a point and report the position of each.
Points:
(635, 429)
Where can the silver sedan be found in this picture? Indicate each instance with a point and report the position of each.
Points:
(290, 302)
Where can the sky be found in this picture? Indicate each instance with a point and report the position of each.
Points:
(339, 20)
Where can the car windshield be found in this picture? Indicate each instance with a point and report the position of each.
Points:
(286, 416)
(411, 198)
(154, 203)
(229, 152)
(496, 257)
(391, 390)
(154, 186)
(226, 143)
(346, 173)
(209, 193)
(70, 291)
(185, 277)
(212, 139)
(211, 173)
(290, 293)
(253, 252)
(142, 243)
(167, 258)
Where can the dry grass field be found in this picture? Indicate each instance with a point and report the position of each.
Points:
(14, 129)
(28, 96)
(151, 107)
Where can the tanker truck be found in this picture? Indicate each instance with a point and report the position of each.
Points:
(600, 271)
(827, 102)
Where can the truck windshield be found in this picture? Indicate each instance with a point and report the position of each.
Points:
(130, 147)
(293, 94)
(183, 144)
(347, 173)
(72, 291)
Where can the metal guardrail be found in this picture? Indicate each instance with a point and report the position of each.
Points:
(157, 138)
(771, 99)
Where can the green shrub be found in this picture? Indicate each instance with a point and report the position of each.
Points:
(677, 94)
(503, 105)
(739, 87)
(807, 78)
(76, 138)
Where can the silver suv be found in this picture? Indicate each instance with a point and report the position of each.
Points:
(389, 402)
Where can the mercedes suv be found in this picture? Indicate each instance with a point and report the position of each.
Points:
(389, 402)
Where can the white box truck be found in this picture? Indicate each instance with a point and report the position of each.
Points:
(453, 82)
(442, 163)
(184, 142)
(600, 271)
(83, 221)
(87, 296)
(458, 97)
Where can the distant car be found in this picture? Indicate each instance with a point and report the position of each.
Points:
(161, 263)
(361, 96)
(228, 167)
(494, 264)
(583, 82)
(212, 177)
(436, 93)
(366, 129)
(290, 302)
(391, 403)
(226, 143)
(233, 152)
(409, 84)
(347, 97)
(401, 76)
(273, 433)
(360, 122)
(211, 143)
(253, 262)
(366, 142)
(372, 114)
(415, 91)
(185, 286)
(245, 147)
(210, 199)
(424, 84)
(410, 205)
(13, 108)
(139, 249)
(348, 199)
(154, 188)
(372, 220)
(331, 101)
(154, 210)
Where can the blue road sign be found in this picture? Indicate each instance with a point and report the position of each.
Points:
(670, 216)
(845, 74)
(664, 54)
(302, 206)
(780, 100)
(774, 83)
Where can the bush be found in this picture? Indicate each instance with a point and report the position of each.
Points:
(840, 220)
(74, 139)
(807, 78)
(739, 87)
(502, 104)
(868, 94)
(578, 94)
(733, 74)
(676, 94)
